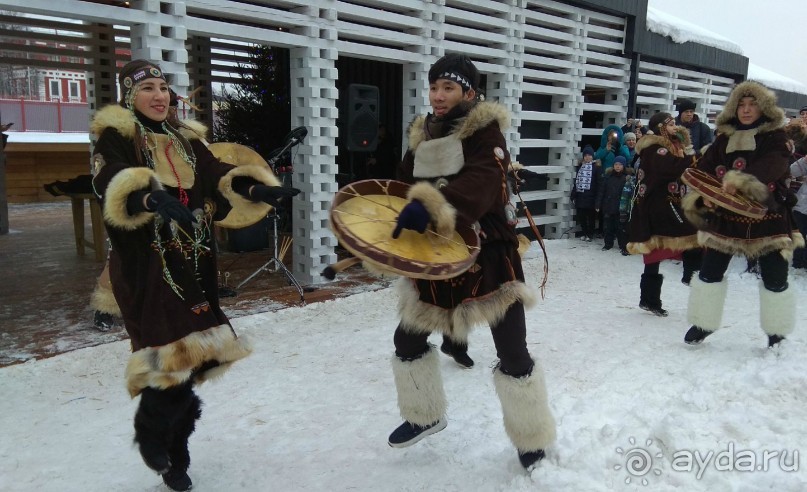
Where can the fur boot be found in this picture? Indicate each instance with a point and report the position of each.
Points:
(777, 313)
(527, 419)
(102, 299)
(177, 477)
(650, 293)
(705, 309)
(421, 398)
(154, 421)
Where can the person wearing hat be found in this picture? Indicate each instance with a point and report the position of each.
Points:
(657, 228)
(699, 132)
(457, 163)
(160, 191)
(608, 197)
(584, 192)
(629, 139)
(750, 157)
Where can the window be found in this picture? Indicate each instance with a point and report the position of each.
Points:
(73, 85)
(55, 89)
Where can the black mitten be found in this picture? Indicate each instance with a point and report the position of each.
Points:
(272, 194)
(161, 202)
(413, 216)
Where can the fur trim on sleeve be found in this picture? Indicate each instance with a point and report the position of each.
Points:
(245, 212)
(748, 185)
(117, 192)
(443, 214)
(695, 211)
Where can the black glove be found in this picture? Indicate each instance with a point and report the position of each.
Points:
(527, 174)
(413, 216)
(161, 202)
(272, 194)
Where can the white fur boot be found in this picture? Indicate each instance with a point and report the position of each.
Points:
(421, 398)
(777, 313)
(705, 310)
(527, 419)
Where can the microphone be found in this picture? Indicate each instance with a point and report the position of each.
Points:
(293, 138)
(297, 135)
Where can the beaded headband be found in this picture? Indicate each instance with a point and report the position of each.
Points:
(143, 73)
(455, 77)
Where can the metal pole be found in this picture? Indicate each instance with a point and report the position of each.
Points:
(3, 188)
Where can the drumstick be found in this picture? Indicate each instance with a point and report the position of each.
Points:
(330, 271)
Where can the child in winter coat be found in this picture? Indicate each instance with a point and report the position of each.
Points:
(584, 192)
(608, 198)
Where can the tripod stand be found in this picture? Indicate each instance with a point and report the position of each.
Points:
(275, 264)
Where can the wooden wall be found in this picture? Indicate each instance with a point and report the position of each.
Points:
(29, 166)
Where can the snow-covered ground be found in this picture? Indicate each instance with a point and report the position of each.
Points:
(312, 408)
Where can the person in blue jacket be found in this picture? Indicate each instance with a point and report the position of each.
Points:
(611, 145)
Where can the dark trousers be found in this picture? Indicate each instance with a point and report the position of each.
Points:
(772, 267)
(509, 337)
(585, 216)
(800, 254)
(613, 230)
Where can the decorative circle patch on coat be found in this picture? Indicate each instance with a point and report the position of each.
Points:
(662, 151)
(498, 152)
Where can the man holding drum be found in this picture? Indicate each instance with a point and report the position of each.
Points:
(457, 163)
(750, 156)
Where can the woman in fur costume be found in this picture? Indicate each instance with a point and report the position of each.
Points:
(160, 189)
(751, 157)
(657, 227)
(457, 162)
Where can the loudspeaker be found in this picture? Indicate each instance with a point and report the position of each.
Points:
(362, 118)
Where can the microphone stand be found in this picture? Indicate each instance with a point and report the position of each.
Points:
(276, 264)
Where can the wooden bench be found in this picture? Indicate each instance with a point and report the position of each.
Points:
(98, 242)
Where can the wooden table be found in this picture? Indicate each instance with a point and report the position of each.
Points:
(98, 242)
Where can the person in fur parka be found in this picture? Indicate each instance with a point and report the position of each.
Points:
(750, 157)
(457, 163)
(160, 190)
(657, 227)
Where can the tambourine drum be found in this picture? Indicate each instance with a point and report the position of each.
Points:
(363, 215)
(710, 187)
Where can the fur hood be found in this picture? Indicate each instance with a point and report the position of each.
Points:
(648, 140)
(121, 119)
(766, 99)
(480, 116)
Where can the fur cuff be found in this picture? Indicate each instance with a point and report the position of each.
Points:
(102, 299)
(748, 185)
(245, 212)
(120, 187)
(172, 364)
(777, 311)
(443, 214)
(421, 398)
(706, 301)
(420, 317)
(527, 418)
(695, 211)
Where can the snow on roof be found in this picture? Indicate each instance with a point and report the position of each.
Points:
(775, 81)
(681, 31)
(48, 137)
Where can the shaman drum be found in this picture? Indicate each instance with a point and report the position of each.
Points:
(710, 187)
(363, 215)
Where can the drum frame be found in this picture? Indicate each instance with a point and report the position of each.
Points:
(387, 261)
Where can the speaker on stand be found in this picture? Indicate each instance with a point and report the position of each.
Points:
(362, 121)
